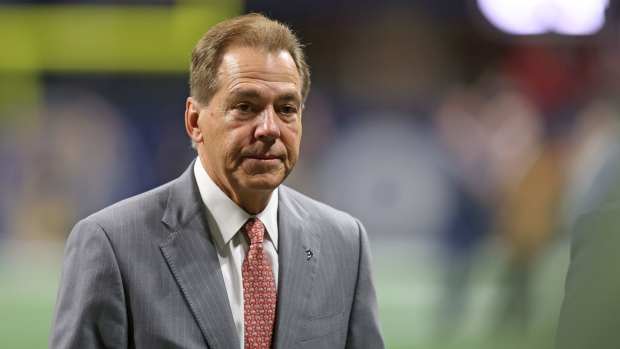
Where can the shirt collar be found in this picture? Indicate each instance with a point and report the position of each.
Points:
(228, 216)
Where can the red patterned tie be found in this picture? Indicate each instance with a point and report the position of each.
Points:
(259, 290)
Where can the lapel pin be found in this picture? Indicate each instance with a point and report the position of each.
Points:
(309, 254)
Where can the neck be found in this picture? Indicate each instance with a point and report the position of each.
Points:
(252, 203)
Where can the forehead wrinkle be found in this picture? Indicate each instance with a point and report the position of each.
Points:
(270, 75)
(267, 66)
(263, 75)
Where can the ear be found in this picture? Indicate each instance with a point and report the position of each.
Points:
(192, 113)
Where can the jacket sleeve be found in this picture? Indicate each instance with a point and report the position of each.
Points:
(364, 330)
(90, 309)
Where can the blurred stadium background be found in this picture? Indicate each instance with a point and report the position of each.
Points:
(466, 135)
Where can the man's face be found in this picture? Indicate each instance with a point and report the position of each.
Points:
(251, 128)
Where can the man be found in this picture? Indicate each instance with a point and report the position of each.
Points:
(225, 256)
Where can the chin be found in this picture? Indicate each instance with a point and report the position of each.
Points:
(262, 182)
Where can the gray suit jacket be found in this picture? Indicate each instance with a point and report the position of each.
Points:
(144, 273)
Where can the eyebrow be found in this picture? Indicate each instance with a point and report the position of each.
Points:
(290, 96)
(245, 93)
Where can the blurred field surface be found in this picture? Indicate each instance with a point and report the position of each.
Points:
(408, 280)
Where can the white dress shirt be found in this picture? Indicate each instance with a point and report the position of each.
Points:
(225, 219)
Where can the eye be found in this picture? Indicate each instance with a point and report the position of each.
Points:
(243, 107)
(288, 109)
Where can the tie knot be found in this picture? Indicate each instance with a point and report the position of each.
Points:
(255, 230)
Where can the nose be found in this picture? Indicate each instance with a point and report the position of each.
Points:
(268, 128)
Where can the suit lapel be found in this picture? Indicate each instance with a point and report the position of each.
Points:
(296, 268)
(192, 258)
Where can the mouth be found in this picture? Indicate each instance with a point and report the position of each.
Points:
(263, 157)
(260, 164)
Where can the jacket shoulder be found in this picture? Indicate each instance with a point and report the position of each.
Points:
(317, 211)
(138, 210)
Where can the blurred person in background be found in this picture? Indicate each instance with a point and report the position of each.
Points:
(493, 135)
(465, 140)
(54, 178)
(507, 181)
(590, 309)
(594, 164)
(225, 256)
(530, 172)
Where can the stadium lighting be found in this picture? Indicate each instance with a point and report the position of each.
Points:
(533, 17)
